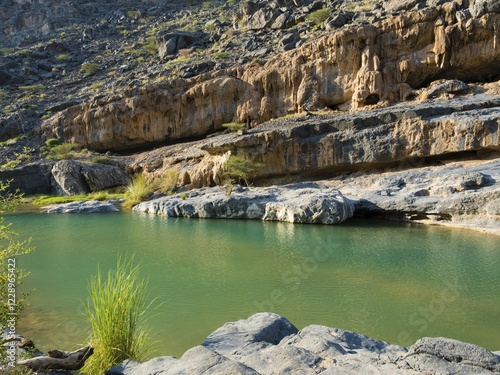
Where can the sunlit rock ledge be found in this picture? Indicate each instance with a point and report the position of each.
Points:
(267, 343)
(296, 203)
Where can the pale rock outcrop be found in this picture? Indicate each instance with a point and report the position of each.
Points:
(360, 64)
(298, 203)
(267, 343)
(82, 207)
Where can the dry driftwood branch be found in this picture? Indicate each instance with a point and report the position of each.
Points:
(59, 360)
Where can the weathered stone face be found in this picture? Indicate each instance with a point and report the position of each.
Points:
(267, 343)
(356, 66)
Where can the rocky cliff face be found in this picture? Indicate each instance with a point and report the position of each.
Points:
(356, 66)
(321, 145)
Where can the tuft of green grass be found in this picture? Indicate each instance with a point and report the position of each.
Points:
(221, 55)
(89, 68)
(319, 16)
(133, 14)
(63, 151)
(101, 159)
(51, 142)
(137, 191)
(63, 57)
(234, 126)
(46, 200)
(117, 314)
(166, 183)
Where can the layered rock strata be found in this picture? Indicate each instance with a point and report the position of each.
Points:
(358, 65)
(324, 145)
(300, 203)
(267, 343)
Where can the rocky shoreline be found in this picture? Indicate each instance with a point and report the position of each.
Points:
(294, 203)
(267, 343)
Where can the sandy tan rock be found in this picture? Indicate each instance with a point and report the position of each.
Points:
(358, 65)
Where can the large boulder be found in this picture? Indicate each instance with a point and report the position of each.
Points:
(73, 177)
(170, 43)
(68, 178)
(103, 176)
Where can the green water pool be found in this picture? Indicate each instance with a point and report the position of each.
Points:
(392, 281)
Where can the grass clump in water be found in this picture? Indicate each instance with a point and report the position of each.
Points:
(117, 313)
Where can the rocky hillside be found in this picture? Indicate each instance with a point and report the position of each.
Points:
(323, 90)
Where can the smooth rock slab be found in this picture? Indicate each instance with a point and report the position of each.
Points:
(267, 343)
(81, 207)
(297, 203)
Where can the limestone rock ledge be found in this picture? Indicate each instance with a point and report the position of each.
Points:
(87, 207)
(267, 343)
(297, 203)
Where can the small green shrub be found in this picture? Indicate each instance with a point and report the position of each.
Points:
(6, 51)
(63, 57)
(137, 191)
(89, 68)
(63, 151)
(183, 196)
(239, 169)
(133, 14)
(319, 16)
(234, 126)
(97, 85)
(166, 183)
(18, 159)
(221, 55)
(52, 142)
(101, 159)
(151, 46)
(117, 315)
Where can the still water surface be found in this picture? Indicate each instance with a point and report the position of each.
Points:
(391, 281)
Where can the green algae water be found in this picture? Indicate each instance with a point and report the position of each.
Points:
(391, 281)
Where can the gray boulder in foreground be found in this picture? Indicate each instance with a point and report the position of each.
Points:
(267, 343)
(297, 203)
